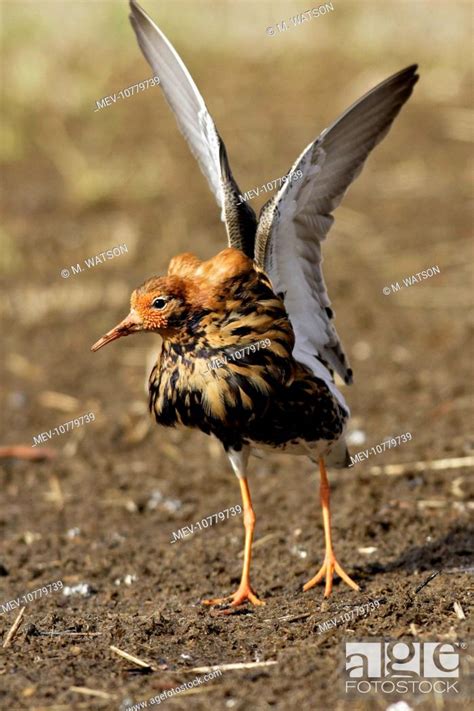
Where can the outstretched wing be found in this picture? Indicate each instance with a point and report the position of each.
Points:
(198, 128)
(294, 223)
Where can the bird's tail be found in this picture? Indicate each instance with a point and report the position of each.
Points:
(339, 457)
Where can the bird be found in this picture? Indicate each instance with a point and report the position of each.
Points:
(249, 351)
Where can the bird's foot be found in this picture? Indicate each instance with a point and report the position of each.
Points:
(241, 595)
(327, 570)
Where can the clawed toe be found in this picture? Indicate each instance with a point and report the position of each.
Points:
(327, 570)
(243, 594)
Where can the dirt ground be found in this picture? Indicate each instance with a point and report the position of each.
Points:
(103, 512)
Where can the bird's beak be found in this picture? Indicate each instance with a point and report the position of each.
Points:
(131, 323)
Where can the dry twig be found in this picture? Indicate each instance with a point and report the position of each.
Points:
(13, 629)
(130, 658)
(459, 611)
(434, 465)
(91, 692)
(229, 667)
(27, 453)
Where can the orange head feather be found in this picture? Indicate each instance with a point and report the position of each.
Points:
(165, 304)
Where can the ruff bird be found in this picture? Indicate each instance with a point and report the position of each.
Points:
(249, 349)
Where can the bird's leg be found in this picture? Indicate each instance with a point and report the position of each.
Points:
(330, 565)
(244, 591)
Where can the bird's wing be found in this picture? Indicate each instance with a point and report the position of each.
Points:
(294, 223)
(197, 126)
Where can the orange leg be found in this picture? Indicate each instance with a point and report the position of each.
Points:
(244, 591)
(330, 565)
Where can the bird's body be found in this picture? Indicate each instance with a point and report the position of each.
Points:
(249, 350)
(263, 397)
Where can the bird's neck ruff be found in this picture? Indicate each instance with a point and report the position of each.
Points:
(228, 303)
(241, 311)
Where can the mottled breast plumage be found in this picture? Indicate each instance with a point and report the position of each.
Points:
(229, 370)
(230, 355)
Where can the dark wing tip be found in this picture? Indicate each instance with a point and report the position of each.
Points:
(407, 78)
(223, 159)
(134, 8)
(137, 14)
(404, 82)
(411, 73)
(411, 69)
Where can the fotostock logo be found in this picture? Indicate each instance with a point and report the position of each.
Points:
(402, 667)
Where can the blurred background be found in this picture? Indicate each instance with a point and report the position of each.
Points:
(78, 181)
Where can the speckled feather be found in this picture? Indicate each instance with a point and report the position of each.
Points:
(266, 398)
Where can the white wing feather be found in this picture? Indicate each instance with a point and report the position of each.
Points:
(293, 225)
(198, 128)
(183, 97)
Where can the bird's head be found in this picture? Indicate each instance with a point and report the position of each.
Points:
(174, 304)
(161, 304)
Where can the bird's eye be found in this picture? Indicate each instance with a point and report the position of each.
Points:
(159, 303)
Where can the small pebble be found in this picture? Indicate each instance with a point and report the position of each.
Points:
(29, 537)
(172, 505)
(155, 499)
(127, 580)
(83, 589)
(73, 532)
(399, 706)
(300, 552)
